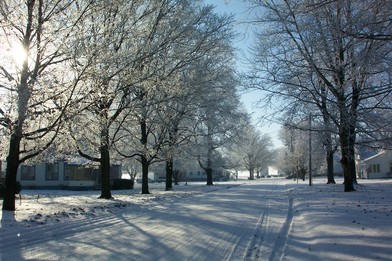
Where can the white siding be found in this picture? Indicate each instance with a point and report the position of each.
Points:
(378, 166)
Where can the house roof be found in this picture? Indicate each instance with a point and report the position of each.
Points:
(376, 156)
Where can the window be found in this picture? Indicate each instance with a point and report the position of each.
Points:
(390, 166)
(80, 173)
(52, 171)
(374, 168)
(27, 172)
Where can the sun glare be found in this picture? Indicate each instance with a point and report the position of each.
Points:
(19, 54)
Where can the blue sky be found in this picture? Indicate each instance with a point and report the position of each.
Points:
(239, 9)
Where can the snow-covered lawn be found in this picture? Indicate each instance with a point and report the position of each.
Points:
(268, 219)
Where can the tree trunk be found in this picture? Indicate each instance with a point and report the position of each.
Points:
(352, 163)
(346, 162)
(144, 160)
(251, 174)
(169, 174)
(347, 141)
(11, 172)
(329, 158)
(331, 178)
(208, 171)
(145, 166)
(171, 151)
(105, 154)
(22, 104)
(327, 136)
(105, 172)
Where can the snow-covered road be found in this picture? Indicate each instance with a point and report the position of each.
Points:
(269, 219)
(225, 224)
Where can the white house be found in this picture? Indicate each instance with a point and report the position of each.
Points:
(62, 174)
(377, 166)
(270, 171)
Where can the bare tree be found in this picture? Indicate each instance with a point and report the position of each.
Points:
(254, 150)
(294, 158)
(315, 59)
(210, 65)
(127, 42)
(218, 122)
(110, 48)
(177, 114)
(170, 95)
(37, 80)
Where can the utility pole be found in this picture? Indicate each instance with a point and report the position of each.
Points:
(292, 151)
(310, 149)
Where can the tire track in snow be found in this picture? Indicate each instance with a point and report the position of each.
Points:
(231, 246)
(280, 244)
(254, 247)
(270, 238)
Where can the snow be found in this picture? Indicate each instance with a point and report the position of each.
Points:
(267, 219)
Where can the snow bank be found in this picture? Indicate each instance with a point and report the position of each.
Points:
(38, 207)
(330, 224)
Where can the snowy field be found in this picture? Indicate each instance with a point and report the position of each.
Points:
(268, 219)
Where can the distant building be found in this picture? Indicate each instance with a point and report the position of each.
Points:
(159, 175)
(63, 175)
(191, 171)
(270, 171)
(377, 166)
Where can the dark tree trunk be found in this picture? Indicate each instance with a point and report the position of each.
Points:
(352, 163)
(348, 180)
(208, 169)
(11, 172)
(347, 140)
(331, 178)
(329, 158)
(327, 136)
(346, 162)
(105, 172)
(104, 160)
(347, 144)
(169, 161)
(251, 174)
(144, 160)
(169, 174)
(145, 166)
(209, 176)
